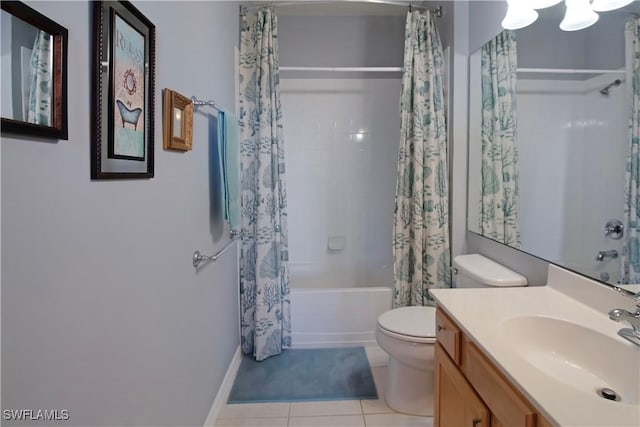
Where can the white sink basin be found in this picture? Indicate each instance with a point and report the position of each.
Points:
(579, 357)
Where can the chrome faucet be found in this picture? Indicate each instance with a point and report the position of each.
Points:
(606, 254)
(617, 314)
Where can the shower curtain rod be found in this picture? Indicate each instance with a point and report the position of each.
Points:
(568, 71)
(346, 69)
(436, 10)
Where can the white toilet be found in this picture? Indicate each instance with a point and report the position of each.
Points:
(408, 335)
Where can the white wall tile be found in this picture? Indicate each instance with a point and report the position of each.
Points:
(342, 170)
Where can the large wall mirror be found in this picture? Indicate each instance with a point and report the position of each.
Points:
(549, 140)
(34, 73)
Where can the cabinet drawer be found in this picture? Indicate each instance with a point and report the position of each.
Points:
(448, 335)
(504, 402)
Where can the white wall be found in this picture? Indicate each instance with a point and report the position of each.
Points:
(485, 18)
(572, 143)
(341, 41)
(458, 126)
(547, 153)
(594, 47)
(342, 146)
(102, 312)
(604, 147)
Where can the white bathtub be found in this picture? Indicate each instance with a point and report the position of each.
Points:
(336, 317)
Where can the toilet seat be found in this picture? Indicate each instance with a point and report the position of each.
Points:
(414, 324)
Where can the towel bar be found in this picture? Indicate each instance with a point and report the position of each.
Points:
(198, 258)
(199, 103)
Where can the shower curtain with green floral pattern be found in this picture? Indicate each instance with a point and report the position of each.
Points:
(500, 204)
(264, 273)
(631, 249)
(421, 223)
(40, 91)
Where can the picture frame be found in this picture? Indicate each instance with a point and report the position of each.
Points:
(177, 121)
(33, 69)
(123, 92)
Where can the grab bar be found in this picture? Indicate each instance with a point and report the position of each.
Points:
(198, 258)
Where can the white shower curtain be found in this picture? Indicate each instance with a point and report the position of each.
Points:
(264, 259)
(421, 223)
(500, 214)
(40, 91)
(631, 249)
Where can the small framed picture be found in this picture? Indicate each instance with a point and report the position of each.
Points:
(177, 121)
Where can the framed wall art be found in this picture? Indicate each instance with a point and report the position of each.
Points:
(34, 68)
(177, 121)
(122, 141)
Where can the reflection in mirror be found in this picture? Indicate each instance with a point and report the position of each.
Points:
(33, 66)
(26, 61)
(177, 123)
(550, 141)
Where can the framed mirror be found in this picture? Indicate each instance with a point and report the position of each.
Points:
(177, 121)
(34, 73)
(549, 145)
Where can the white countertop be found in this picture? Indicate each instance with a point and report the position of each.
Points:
(631, 288)
(479, 312)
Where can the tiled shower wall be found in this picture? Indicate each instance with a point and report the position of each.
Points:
(341, 141)
(572, 156)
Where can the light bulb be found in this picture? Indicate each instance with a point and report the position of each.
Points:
(519, 15)
(578, 15)
(607, 5)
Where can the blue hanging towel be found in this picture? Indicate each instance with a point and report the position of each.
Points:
(228, 149)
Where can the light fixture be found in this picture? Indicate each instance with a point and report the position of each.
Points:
(607, 5)
(519, 15)
(543, 4)
(578, 16)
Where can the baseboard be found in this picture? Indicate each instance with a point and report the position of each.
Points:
(225, 389)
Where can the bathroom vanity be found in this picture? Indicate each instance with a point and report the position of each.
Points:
(470, 390)
(534, 356)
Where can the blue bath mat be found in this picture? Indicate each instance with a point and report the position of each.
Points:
(300, 375)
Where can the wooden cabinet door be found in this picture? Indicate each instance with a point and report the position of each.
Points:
(504, 402)
(457, 404)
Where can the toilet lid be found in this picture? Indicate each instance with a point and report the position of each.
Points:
(411, 321)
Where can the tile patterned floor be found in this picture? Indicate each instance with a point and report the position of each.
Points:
(339, 413)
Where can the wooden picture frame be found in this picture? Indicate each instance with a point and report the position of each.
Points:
(123, 93)
(57, 125)
(177, 121)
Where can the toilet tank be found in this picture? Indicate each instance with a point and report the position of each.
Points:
(477, 271)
